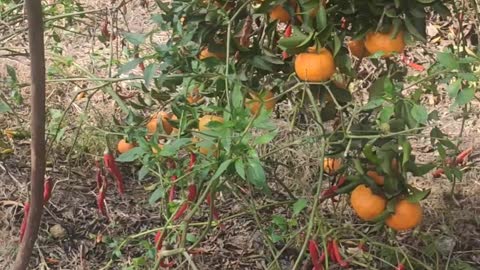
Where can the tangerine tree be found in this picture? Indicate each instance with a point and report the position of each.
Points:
(210, 92)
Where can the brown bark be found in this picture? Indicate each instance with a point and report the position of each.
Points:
(33, 9)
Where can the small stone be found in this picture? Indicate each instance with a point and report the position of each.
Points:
(58, 232)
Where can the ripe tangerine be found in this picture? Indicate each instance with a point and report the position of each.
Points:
(366, 204)
(357, 48)
(407, 216)
(204, 120)
(167, 127)
(279, 13)
(313, 66)
(255, 104)
(123, 146)
(382, 42)
(379, 179)
(206, 53)
(331, 165)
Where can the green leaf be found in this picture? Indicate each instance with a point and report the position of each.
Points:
(385, 114)
(131, 155)
(149, 73)
(453, 88)
(423, 169)
(191, 238)
(222, 168)
(237, 96)
(321, 18)
(240, 168)
(417, 33)
(372, 104)
(129, 66)
(156, 195)
(4, 107)
(12, 73)
(255, 173)
(419, 113)
(266, 138)
(260, 63)
(471, 77)
(299, 205)
(447, 60)
(143, 172)
(418, 195)
(464, 96)
(172, 148)
(135, 38)
(407, 151)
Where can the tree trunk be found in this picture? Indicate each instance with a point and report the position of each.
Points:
(37, 100)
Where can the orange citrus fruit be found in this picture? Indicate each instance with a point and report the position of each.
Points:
(313, 66)
(123, 146)
(357, 48)
(204, 120)
(382, 42)
(379, 179)
(205, 53)
(331, 165)
(366, 204)
(279, 13)
(167, 127)
(407, 216)
(255, 104)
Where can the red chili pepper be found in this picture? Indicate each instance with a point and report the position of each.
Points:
(338, 256)
(330, 251)
(400, 266)
(159, 240)
(331, 191)
(411, 64)
(288, 31)
(47, 190)
(460, 159)
(214, 210)
(99, 175)
(193, 160)
(180, 211)
(167, 265)
(104, 30)
(101, 201)
(344, 23)
(192, 194)
(438, 173)
(23, 226)
(171, 194)
(110, 164)
(315, 255)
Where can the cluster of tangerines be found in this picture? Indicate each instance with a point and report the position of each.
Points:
(369, 206)
(254, 104)
(317, 64)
